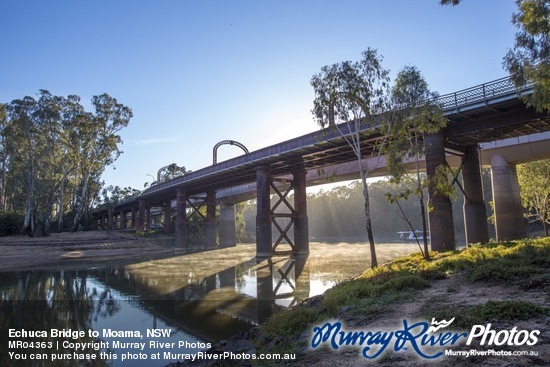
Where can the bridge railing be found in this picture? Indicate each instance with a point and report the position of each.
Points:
(479, 93)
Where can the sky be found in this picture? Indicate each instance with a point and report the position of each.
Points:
(196, 72)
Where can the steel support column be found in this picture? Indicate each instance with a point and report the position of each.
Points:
(168, 217)
(134, 224)
(475, 215)
(442, 235)
(227, 232)
(263, 213)
(211, 220)
(141, 216)
(181, 218)
(123, 219)
(509, 222)
(301, 227)
(148, 218)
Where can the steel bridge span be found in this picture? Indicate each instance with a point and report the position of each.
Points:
(477, 117)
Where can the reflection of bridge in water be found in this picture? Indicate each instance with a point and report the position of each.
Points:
(492, 113)
(236, 290)
(216, 306)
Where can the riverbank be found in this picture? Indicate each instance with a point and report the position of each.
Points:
(479, 285)
(500, 287)
(79, 249)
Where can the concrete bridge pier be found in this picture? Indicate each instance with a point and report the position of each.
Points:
(181, 218)
(228, 234)
(509, 222)
(442, 234)
(475, 214)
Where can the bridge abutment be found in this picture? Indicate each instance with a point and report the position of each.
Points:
(442, 235)
(509, 222)
(475, 214)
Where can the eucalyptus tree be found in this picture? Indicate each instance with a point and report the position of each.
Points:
(348, 97)
(52, 162)
(3, 158)
(24, 148)
(51, 148)
(529, 60)
(414, 114)
(97, 145)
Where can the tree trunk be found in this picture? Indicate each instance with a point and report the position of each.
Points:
(28, 223)
(424, 227)
(61, 202)
(81, 203)
(368, 222)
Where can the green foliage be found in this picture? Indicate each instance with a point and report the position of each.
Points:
(375, 290)
(240, 224)
(534, 182)
(529, 60)
(441, 183)
(347, 97)
(54, 153)
(348, 91)
(10, 223)
(147, 233)
(414, 114)
(292, 322)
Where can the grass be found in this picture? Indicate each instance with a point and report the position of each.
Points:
(525, 263)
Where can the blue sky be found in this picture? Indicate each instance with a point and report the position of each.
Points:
(198, 72)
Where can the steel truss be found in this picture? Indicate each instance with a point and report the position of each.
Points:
(288, 213)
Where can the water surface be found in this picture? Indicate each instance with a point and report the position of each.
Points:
(201, 298)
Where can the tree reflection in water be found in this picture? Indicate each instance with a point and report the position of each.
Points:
(41, 301)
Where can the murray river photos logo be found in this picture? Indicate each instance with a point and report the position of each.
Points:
(427, 340)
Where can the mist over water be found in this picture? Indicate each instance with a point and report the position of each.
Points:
(203, 297)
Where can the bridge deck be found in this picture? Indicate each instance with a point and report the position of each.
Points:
(488, 112)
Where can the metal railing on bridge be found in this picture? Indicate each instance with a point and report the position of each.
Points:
(479, 93)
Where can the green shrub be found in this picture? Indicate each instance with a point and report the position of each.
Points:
(10, 223)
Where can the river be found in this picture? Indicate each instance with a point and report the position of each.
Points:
(150, 311)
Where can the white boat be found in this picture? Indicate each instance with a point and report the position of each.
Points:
(410, 235)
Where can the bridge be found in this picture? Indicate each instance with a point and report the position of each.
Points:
(489, 115)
